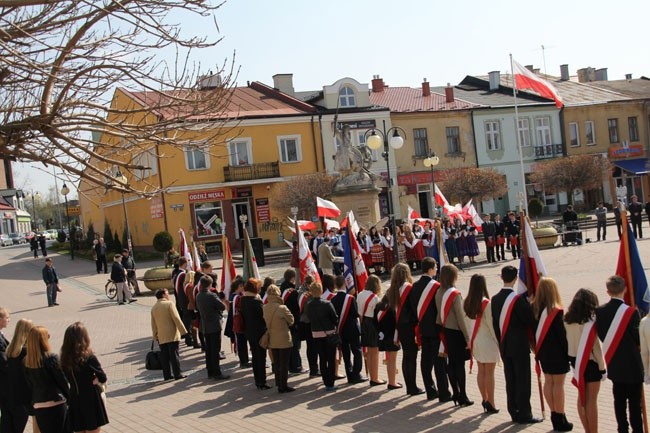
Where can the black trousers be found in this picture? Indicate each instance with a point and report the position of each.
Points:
(628, 395)
(619, 226)
(242, 349)
(636, 227)
(431, 361)
(171, 362)
(187, 317)
(599, 225)
(52, 419)
(13, 419)
(327, 358)
(295, 361)
(517, 375)
(490, 253)
(212, 349)
(312, 354)
(352, 357)
(259, 361)
(515, 249)
(502, 250)
(409, 355)
(281, 367)
(101, 262)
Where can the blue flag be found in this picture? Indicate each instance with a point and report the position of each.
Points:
(639, 283)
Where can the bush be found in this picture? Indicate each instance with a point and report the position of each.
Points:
(163, 242)
(535, 207)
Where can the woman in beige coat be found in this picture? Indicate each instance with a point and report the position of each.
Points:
(278, 319)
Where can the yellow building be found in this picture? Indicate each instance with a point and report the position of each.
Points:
(213, 186)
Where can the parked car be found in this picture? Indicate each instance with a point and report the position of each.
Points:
(18, 238)
(54, 233)
(5, 240)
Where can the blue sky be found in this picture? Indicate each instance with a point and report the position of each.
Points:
(406, 41)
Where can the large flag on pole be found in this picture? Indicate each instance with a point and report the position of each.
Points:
(228, 272)
(327, 208)
(250, 263)
(196, 259)
(629, 267)
(525, 79)
(354, 269)
(307, 265)
(439, 252)
(184, 250)
(531, 267)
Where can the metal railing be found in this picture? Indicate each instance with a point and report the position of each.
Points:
(262, 170)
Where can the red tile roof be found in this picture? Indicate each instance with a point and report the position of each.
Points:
(407, 99)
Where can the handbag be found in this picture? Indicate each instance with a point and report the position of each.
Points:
(152, 361)
(266, 337)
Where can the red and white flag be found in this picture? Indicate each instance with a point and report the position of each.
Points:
(303, 224)
(196, 258)
(525, 79)
(531, 266)
(184, 250)
(331, 224)
(355, 272)
(228, 272)
(327, 208)
(474, 216)
(307, 265)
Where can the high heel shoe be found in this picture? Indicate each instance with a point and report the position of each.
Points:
(463, 401)
(488, 408)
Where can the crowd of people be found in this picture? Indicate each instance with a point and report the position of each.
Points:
(62, 393)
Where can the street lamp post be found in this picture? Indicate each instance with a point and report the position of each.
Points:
(65, 191)
(129, 243)
(431, 161)
(34, 196)
(391, 137)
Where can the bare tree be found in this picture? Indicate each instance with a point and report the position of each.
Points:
(479, 184)
(61, 61)
(301, 191)
(584, 172)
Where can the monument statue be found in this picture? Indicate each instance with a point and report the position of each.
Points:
(352, 162)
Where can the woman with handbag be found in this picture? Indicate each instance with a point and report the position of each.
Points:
(254, 327)
(278, 320)
(86, 378)
(323, 321)
(50, 389)
(449, 303)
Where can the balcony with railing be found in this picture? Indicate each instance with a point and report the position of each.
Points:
(262, 170)
(549, 151)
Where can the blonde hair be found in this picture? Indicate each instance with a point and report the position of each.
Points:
(37, 345)
(4, 312)
(273, 290)
(189, 278)
(374, 285)
(20, 337)
(547, 295)
(316, 289)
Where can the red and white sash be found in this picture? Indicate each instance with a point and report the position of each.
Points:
(616, 330)
(426, 297)
(347, 302)
(477, 324)
(365, 306)
(585, 347)
(265, 299)
(545, 322)
(286, 294)
(506, 311)
(447, 302)
(404, 291)
(235, 304)
(302, 300)
(327, 295)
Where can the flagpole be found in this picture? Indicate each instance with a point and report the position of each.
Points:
(521, 152)
(630, 289)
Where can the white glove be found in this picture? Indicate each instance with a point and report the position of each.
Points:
(381, 336)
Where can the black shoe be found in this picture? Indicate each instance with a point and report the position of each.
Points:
(287, 389)
(300, 371)
(416, 391)
(464, 402)
(314, 374)
(132, 301)
(55, 303)
(373, 383)
(432, 395)
(445, 398)
(398, 386)
(488, 408)
(220, 377)
(359, 379)
(531, 420)
(182, 376)
(243, 365)
(263, 387)
(339, 377)
(120, 303)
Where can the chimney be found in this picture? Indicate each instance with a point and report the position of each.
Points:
(536, 71)
(601, 74)
(449, 93)
(586, 75)
(564, 72)
(628, 76)
(495, 80)
(284, 83)
(426, 88)
(377, 84)
(210, 81)
(529, 67)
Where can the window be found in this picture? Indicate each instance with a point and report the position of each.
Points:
(492, 135)
(347, 97)
(524, 132)
(633, 127)
(208, 218)
(612, 126)
(240, 152)
(420, 141)
(196, 157)
(543, 128)
(574, 134)
(453, 139)
(290, 148)
(146, 159)
(590, 133)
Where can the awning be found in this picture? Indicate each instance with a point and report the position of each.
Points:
(636, 166)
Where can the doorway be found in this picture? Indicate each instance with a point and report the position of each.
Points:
(241, 214)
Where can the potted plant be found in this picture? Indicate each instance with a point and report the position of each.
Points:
(160, 277)
(545, 237)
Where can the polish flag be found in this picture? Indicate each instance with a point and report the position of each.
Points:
(327, 208)
(473, 215)
(355, 272)
(415, 215)
(307, 265)
(331, 224)
(303, 224)
(196, 258)
(185, 251)
(440, 198)
(531, 267)
(228, 272)
(525, 79)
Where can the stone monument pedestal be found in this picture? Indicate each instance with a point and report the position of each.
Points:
(362, 200)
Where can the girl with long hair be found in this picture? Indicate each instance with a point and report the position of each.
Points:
(455, 331)
(552, 350)
(19, 407)
(367, 300)
(86, 378)
(49, 387)
(484, 347)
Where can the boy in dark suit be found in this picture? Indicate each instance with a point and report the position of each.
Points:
(349, 330)
(514, 345)
(624, 366)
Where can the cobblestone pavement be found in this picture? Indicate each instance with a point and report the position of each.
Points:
(138, 400)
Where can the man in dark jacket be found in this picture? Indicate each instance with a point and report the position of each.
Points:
(406, 323)
(51, 280)
(211, 309)
(636, 217)
(129, 266)
(489, 234)
(290, 298)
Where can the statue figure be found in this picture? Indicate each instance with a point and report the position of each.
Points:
(353, 163)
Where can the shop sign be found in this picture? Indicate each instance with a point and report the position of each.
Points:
(210, 195)
(263, 210)
(156, 208)
(629, 151)
(242, 193)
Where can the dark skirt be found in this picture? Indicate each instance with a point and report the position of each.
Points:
(592, 374)
(472, 246)
(369, 332)
(555, 366)
(450, 246)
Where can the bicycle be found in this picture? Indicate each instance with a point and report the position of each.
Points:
(111, 289)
